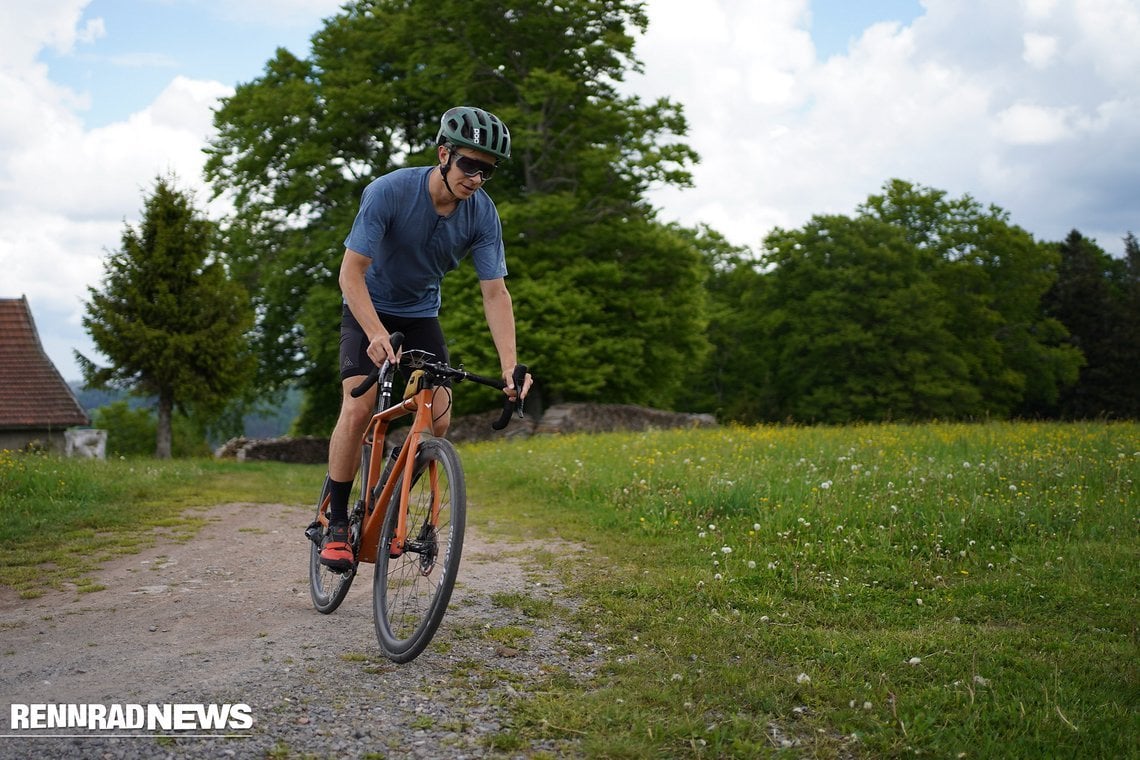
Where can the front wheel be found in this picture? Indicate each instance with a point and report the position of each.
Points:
(327, 588)
(411, 590)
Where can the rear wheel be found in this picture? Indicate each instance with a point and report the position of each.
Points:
(327, 588)
(411, 590)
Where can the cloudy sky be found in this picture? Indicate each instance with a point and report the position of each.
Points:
(797, 107)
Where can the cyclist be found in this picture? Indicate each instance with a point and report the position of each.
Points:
(413, 226)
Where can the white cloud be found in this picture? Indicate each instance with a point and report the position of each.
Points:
(91, 31)
(1108, 33)
(997, 100)
(1037, 10)
(1040, 49)
(28, 28)
(66, 192)
(1026, 124)
(104, 171)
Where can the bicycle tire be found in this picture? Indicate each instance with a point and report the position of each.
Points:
(327, 588)
(410, 592)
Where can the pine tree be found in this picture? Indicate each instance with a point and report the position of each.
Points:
(1094, 297)
(168, 318)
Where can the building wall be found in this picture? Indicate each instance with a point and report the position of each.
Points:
(47, 438)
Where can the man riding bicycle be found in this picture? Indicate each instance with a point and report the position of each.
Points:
(413, 226)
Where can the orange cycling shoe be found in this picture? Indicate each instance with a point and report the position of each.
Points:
(336, 553)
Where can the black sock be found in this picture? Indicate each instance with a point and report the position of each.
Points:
(338, 500)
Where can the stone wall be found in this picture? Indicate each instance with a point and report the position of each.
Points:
(559, 419)
(608, 418)
(303, 450)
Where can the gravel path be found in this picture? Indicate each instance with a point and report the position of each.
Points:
(226, 619)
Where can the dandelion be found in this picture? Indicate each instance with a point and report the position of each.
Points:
(712, 527)
(676, 677)
(867, 705)
(702, 534)
(825, 485)
(755, 526)
(751, 564)
(803, 678)
(718, 577)
(726, 550)
(918, 601)
(914, 661)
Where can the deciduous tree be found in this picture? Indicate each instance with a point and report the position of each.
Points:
(608, 300)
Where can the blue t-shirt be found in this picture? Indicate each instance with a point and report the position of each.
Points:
(412, 247)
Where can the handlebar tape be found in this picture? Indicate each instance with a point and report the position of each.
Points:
(509, 405)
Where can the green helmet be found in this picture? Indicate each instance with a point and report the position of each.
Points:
(475, 128)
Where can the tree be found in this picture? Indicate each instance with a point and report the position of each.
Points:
(921, 306)
(1128, 400)
(168, 317)
(734, 380)
(1096, 296)
(608, 300)
(132, 432)
(993, 275)
(853, 327)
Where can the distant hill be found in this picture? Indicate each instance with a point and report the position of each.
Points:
(272, 424)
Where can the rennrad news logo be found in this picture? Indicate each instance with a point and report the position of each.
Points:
(84, 718)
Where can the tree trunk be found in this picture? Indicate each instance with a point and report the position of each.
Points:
(164, 435)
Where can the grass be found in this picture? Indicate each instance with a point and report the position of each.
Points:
(869, 591)
(885, 591)
(96, 510)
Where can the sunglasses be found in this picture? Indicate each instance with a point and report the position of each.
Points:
(471, 167)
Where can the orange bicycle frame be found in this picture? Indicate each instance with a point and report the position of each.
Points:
(419, 404)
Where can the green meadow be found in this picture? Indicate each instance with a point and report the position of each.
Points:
(939, 590)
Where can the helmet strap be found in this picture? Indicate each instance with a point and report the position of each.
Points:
(445, 169)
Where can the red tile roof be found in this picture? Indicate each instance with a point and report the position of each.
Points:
(32, 392)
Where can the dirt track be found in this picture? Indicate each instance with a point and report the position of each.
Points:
(226, 618)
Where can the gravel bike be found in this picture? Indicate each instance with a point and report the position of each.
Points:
(410, 516)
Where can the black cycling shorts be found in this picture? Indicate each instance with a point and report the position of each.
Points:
(423, 333)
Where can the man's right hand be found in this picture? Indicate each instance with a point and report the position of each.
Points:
(380, 350)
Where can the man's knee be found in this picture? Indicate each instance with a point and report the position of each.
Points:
(355, 411)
